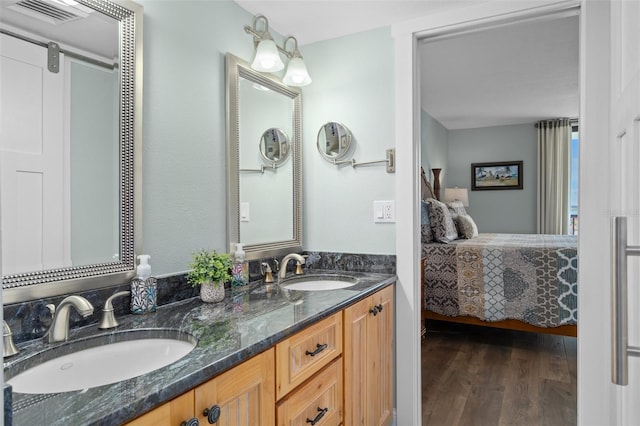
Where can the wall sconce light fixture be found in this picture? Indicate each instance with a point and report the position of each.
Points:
(267, 58)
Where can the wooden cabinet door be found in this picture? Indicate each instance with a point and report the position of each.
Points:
(368, 360)
(380, 363)
(172, 413)
(244, 395)
(355, 366)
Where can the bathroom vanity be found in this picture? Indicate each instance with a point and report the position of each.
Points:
(265, 354)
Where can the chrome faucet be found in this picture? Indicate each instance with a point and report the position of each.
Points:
(7, 339)
(108, 317)
(285, 260)
(59, 330)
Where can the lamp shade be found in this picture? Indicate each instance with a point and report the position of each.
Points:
(457, 194)
(267, 58)
(297, 74)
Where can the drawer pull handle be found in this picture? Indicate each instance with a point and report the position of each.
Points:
(321, 413)
(374, 311)
(191, 422)
(212, 414)
(319, 348)
(379, 308)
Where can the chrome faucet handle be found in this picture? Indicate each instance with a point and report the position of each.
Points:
(108, 317)
(9, 347)
(276, 265)
(299, 270)
(265, 270)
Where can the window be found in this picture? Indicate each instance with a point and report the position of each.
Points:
(573, 182)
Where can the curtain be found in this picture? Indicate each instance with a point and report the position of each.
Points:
(554, 160)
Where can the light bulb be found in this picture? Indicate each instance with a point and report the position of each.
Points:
(267, 58)
(297, 74)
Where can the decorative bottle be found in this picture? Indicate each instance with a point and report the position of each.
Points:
(143, 288)
(240, 268)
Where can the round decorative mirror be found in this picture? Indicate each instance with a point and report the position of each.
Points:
(274, 147)
(334, 141)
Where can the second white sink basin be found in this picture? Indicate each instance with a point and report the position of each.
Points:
(319, 283)
(103, 364)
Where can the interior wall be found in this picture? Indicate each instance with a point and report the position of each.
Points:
(508, 211)
(184, 163)
(353, 82)
(435, 147)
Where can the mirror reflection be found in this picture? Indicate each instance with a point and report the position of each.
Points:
(334, 141)
(274, 147)
(58, 140)
(67, 139)
(264, 205)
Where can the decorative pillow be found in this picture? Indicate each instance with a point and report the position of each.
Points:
(456, 208)
(466, 226)
(442, 225)
(425, 224)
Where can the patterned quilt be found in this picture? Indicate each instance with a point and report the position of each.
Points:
(528, 277)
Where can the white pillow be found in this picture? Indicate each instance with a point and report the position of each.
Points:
(466, 226)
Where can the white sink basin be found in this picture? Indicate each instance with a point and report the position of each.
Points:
(103, 364)
(319, 283)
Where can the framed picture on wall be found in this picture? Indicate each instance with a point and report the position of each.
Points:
(496, 175)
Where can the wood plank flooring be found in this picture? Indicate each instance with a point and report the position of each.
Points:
(481, 376)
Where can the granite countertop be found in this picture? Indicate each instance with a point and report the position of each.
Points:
(250, 320)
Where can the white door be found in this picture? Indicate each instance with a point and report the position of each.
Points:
(611, 187)
(32, 159)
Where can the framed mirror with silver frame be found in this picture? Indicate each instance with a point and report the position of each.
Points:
(274, 147)
(93, 65)
(334, 142)
(264, 209)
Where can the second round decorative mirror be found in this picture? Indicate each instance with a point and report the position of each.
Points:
(274, 147)
(334, 141)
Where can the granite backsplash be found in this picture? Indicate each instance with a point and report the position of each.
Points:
(30, 320)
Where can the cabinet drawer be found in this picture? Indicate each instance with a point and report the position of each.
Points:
(303, 354)
(318, 402)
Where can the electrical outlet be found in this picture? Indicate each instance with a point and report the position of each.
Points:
(384, 211)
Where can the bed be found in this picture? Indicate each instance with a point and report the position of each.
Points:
(515, 281)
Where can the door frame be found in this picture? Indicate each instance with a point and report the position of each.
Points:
(595, 394)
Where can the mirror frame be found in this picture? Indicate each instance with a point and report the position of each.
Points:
(236, 69)
(53, 282)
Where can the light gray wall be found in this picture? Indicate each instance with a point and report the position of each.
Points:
(509, 211)
(184, 171)
(435, 148)
(353, 84)
(94, 152)
(184, 167)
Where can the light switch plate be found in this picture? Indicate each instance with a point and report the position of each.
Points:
(244, 212)
(384, 211)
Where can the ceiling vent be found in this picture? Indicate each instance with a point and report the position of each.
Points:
(51, 11)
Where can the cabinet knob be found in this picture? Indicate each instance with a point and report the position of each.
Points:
(212, 414)
(379, 308)
(191, 422)
(321, 413)
(374, 311)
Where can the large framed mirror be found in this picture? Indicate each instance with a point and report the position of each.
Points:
(70, 141)
(264, 204)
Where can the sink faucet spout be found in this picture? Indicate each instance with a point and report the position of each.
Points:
(59, 330)
(285, 261)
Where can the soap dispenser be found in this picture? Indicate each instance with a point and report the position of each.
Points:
(240, 269)
(143, 288)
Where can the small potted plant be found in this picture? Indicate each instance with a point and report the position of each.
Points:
(210, 270)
